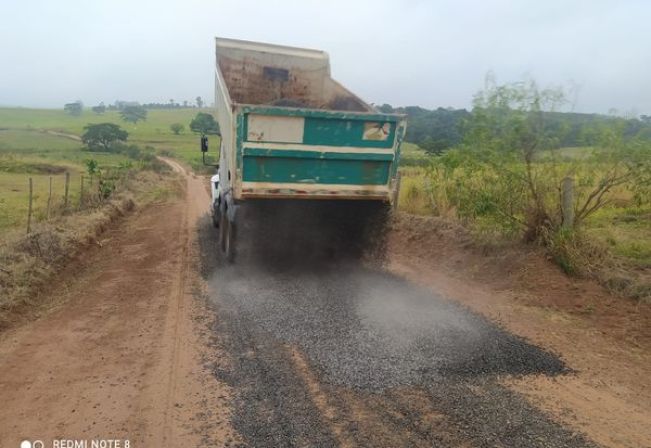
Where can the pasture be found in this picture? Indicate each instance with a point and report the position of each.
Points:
(154, 132)
(44, 143)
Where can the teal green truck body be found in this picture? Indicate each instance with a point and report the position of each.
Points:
(289, 131)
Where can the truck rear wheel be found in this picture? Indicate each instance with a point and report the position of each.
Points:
(227, 231)
(229, 249)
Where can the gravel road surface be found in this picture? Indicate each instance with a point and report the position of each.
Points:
(335, 354)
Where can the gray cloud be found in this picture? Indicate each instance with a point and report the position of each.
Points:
(430, 53)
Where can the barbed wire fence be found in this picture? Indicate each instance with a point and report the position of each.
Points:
(93, 191)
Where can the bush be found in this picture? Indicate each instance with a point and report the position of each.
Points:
(508, 174)
(177, 128)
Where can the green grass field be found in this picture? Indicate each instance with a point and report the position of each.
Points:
(154, 132)
(29, 148)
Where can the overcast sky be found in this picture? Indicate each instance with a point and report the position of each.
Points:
(421, 52)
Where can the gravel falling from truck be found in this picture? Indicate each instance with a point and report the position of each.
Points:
(315, 233)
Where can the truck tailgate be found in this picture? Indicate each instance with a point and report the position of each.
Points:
(309, 153)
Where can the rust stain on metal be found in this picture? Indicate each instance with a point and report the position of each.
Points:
(250, 82)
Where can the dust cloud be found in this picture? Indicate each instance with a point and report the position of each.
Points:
(300, 280)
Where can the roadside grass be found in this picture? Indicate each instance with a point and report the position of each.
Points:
(412, 155)
(626, 231)
(30, 262)
(15, 195)
(414, 197)
(35, 154)
(570, 153)
(614, 245)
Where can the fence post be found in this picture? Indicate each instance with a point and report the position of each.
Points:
(567, 199)
(81, 192)
(49, 200)
(29, 210)
(67, 190)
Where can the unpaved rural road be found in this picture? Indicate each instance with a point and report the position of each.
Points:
(154, 340)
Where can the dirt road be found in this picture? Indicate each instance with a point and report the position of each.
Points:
(158, 341)
(120, 355)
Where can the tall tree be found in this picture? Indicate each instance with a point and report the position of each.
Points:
(199, 102)
(204, 124)
(101, 136)
(133, 114)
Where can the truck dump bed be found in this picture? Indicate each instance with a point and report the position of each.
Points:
(290, 131)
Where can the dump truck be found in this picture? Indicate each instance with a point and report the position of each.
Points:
(289, 132)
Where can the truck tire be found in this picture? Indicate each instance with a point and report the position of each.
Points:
(227, 238)
(216, 216)
(229, 241)
(222, 231)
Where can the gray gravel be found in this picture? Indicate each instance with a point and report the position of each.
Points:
(371, 330)
(372, 340)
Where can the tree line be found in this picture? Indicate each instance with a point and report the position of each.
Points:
(437, 130)
(76, 108)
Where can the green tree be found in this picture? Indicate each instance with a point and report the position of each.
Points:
(133, 114)
(101, 136)
(199, 102)
(204, 124)
(177, 128)
(435, 147)
(75, 109)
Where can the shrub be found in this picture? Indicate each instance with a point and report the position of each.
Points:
(177, 128)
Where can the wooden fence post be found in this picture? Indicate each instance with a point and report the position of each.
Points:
(567, 199)
(49, 200)
(81, 192)
(67, 190)
(29, 210)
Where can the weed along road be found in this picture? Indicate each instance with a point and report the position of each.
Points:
(157, 340)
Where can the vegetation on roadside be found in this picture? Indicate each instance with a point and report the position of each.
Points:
(28, 263)
(78, 184)
(505, 181)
